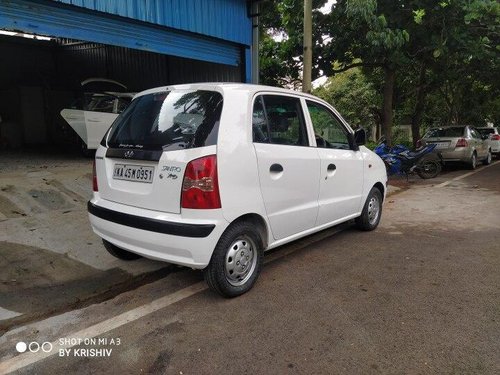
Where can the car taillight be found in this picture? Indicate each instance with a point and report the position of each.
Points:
(94, 178)
(418, 144)
(495, 137)
(462, 143)
(200, 187)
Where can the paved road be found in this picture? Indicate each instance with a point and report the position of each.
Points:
(419, 295)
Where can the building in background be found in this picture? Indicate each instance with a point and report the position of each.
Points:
(141, 44)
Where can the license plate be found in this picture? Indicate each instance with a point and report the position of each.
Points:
(441, 145)
(138, 173)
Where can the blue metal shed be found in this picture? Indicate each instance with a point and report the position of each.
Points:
(216, 31)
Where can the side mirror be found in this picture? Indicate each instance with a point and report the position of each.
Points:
(360, 137)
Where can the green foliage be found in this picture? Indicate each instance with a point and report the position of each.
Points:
(281, 41)
(371, 145)
(353, 96)
(418, 16)
(445, 55)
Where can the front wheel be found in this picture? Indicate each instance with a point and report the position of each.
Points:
(372, 211)
(487, 161)
(429, 169)
(473, 161)
(236, 261)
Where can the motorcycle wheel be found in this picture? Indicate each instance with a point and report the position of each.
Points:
(428, 169)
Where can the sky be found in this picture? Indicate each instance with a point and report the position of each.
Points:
(327, 7)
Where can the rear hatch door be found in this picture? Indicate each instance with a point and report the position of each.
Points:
(151, 143)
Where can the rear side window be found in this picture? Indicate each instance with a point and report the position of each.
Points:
(169, 120)
(279, 120)
(445, 132)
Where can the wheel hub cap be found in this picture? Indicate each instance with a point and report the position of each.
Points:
(373, 210)
(240, 261)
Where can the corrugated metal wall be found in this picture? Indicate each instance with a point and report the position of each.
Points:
(224, 19)
(59, 20)
(137, 69)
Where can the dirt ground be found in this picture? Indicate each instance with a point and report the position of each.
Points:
(47, 248)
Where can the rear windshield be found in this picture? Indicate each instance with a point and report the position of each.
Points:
(445, 132)
(169, 120)
(486, 131)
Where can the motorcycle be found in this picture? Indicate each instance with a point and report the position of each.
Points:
(403, 161)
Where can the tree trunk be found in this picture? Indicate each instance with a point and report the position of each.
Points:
(418, 111)
(390, 75)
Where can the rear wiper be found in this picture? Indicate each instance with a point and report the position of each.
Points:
(180, 144)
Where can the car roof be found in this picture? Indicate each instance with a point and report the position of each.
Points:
(226, 87)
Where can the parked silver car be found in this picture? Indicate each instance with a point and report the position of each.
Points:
(493, 138)
(459, 144)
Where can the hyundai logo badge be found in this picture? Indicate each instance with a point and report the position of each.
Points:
(128, 154)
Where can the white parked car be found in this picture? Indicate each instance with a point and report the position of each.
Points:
(492, 138)
(92, 115)
(210, 176)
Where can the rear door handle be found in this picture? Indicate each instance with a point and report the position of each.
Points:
(276, 168)
(331, 167)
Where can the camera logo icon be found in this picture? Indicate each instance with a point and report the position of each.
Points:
(34, 347)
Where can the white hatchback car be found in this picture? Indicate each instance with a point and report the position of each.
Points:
(210, 176)
(492, 137)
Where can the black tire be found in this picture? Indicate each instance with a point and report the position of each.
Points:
(367, 221)
(120, 253)
(487, 161)
(472, 164)
(236, 262)
(429, 169)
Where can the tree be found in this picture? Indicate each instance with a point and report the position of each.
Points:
(281, 41)
(434, 61)
(354, 97)
(457, 62)
(435, 43)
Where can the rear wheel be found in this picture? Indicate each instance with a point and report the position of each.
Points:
(372, 211)
(429, 169)
(487, 161)
(236, 261)
(473, 161)
(119, 253)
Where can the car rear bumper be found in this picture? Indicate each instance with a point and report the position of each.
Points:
(150, 224)
(495, 147)
(155, 235)
(459, 154)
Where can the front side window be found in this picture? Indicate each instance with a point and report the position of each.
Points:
(328, 130)
(169, 120)
(279, 120)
